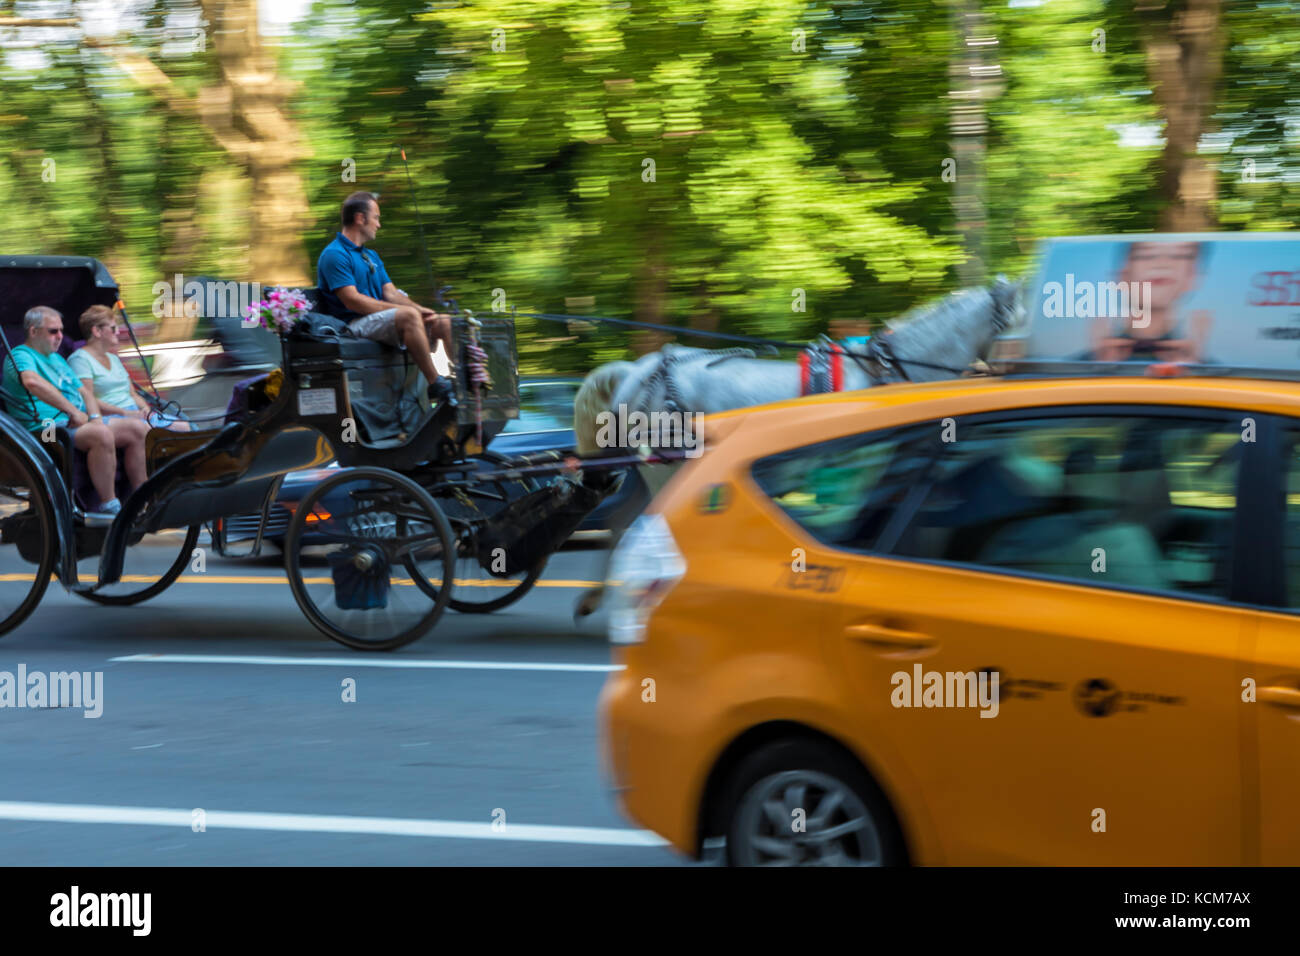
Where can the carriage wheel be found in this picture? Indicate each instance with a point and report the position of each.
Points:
(366, 550)
(27, 545)
(145, 573)
(476, 591)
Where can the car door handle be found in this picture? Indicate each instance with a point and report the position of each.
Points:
(1280, 695)
(882, 636)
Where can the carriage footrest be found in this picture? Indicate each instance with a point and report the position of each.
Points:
(534, 526)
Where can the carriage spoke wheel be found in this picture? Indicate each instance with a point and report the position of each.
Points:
(367, 553)
(27, 544)
(476, 590)
(151, 565)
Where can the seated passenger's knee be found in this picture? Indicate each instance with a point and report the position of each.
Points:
(94, 436)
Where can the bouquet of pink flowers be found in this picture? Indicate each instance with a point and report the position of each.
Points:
(283, 307)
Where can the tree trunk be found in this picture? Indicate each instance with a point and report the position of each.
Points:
(651, 293)
(972, 83)
(247, 116)
(1184, 52)
(251, 118)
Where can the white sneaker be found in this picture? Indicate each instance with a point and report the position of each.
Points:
(105, 515)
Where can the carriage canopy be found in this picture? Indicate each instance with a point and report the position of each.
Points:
(70, 284)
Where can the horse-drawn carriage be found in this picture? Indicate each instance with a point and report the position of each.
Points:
(419, 505)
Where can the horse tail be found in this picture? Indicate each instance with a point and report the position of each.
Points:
(594, 396)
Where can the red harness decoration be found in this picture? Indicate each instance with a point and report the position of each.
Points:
(821, 369)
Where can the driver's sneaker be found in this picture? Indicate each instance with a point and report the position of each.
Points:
(442, 390)
(105, 515)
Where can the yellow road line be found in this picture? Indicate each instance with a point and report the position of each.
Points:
(264, 579)
(261, 579)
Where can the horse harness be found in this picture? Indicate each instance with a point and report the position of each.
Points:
(670, 357)
(821, 368)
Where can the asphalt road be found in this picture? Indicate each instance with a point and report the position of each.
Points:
(465, 754)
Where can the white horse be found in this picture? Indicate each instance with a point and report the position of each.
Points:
(938, 341)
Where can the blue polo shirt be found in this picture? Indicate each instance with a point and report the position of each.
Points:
(343, 263)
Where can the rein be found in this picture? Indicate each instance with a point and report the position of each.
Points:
(769, 344)
(879, 351)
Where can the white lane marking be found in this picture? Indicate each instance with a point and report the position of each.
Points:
(314, 823)
(360, 662)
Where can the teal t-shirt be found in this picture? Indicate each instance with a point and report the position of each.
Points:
(54, 368)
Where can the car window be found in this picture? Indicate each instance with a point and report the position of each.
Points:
(1291, 528)
(843, 491)
(544, 407)
(1138, 501)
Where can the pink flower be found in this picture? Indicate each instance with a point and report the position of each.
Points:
(281, 309)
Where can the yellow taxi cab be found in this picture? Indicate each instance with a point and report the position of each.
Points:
(985, 621)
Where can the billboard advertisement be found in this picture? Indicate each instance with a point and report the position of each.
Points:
(1199, 298)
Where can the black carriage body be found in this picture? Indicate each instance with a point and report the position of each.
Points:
(335, 397)
(204, 475)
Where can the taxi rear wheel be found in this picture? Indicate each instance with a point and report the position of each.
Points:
(800, 802)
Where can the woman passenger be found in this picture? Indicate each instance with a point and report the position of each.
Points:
(97, 365)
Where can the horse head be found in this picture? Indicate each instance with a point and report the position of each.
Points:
(941, 339)
(596, 395)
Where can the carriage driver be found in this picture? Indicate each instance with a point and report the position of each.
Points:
(57, 395)
(355, 287)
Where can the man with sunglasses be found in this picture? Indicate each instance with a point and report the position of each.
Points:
(355, 286)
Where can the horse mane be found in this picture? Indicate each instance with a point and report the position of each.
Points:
(594, 396)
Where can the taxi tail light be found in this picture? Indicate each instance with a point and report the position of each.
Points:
(645, 566)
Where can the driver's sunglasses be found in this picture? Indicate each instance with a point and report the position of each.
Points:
(368, 261)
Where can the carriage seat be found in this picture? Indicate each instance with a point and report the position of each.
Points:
(347, 346)
(71, 464)
(324, 335)
(385, 389)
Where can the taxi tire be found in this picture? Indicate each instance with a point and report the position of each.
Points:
(807, 753)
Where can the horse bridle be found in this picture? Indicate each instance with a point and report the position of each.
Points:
(667, 359)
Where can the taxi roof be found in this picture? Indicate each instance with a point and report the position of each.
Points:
(813, 418)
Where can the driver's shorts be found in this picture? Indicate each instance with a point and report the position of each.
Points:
(380, 326)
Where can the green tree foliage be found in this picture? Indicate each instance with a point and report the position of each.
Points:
(1073, 90)
(795, 146)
